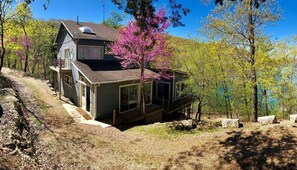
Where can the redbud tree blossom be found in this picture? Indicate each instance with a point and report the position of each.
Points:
(144, 48)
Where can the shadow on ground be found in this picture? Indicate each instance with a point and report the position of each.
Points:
(271, 149)
(262, 150)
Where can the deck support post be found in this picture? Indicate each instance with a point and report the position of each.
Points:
(113, 117)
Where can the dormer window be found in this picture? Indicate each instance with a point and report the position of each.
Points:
(86, 30)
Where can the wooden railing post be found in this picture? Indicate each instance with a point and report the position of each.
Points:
(113, 117)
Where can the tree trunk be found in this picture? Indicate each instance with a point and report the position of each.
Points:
(142, 97)
(27, 50)
(252, 62)
(14, 64)
(2, 52)
(33, 67)
(226, 105)
(199, 111)
(266, 102)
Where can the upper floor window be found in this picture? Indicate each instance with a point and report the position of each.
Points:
(90, 52)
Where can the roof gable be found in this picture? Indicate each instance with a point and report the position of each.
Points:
(101, 32)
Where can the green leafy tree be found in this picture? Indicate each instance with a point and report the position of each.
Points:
(6, 14)
(285, 88)
(241, 24)
(23, 17)
(115, 20)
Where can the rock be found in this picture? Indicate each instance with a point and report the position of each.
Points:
(230, 123)
(179, 127)
(293, 118)
(265, 120)
(183, 125)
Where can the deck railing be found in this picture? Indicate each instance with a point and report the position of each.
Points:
(169, 106)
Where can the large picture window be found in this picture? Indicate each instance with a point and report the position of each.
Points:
(128, 97)
(90, 52)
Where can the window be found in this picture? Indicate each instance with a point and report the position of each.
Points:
(67, 53)
(90, 52)
(67, 57)
(128, 97)
(179, 87)
(68, 80)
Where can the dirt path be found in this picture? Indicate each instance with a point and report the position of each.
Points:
(65, 144)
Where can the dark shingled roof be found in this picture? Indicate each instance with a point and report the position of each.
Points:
(107, 71)
(103, 32)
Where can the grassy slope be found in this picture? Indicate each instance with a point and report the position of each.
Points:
(69, 145)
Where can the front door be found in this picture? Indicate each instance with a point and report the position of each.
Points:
(83, 97)
(88, 100)
(163, 91)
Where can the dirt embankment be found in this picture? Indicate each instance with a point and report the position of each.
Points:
(17, 135)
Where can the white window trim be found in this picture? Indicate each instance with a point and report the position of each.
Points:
(78, 52)
(138, 95)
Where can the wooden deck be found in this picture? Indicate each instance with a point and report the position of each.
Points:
(153, 114)
(135, 115)
(176, 106)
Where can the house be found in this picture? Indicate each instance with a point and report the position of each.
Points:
(93, 79)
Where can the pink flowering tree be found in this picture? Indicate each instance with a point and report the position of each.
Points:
(144, 48)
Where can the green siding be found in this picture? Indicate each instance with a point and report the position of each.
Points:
(108, 98)
(69, 92)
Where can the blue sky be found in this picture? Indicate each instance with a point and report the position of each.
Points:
(92, 10)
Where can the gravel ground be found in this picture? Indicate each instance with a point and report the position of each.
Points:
(64, 144)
